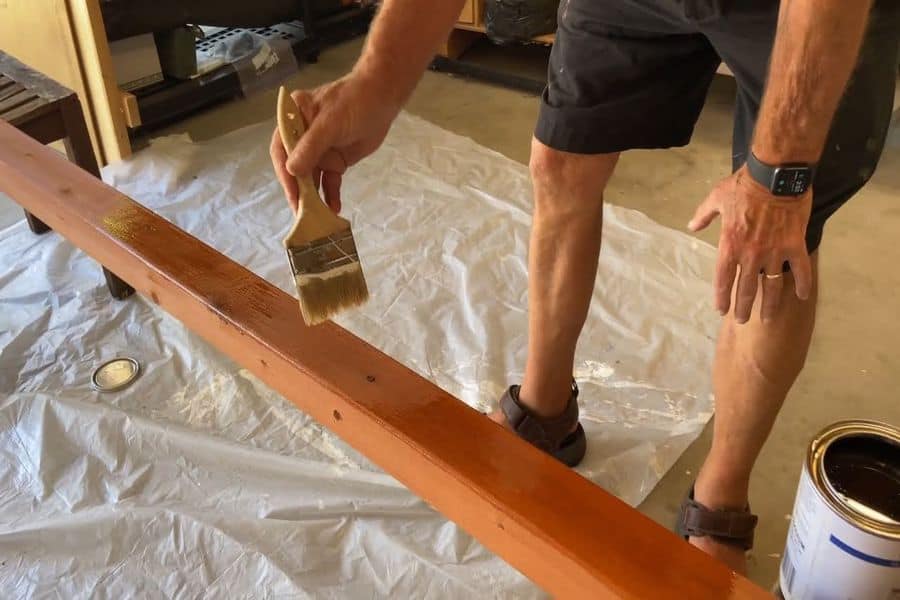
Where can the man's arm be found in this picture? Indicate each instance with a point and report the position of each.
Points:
(403, 40)
(348, 119)
(816, 47)
(815, 50)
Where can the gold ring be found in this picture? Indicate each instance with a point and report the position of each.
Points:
(773, 276)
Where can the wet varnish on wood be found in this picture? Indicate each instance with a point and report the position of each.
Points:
(562, 531)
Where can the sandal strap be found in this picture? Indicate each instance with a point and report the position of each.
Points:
(547, 433)
(732, 527)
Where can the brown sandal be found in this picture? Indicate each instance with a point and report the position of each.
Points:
(732, 527)
(553, 435)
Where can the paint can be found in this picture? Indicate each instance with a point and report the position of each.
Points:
(844, 539)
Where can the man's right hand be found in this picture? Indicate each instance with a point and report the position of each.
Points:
(346, 121)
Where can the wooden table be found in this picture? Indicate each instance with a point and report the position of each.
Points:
(49, 112)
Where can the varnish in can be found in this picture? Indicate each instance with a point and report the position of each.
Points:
(844, 539)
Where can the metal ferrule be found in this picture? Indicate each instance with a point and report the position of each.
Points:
(323, 255)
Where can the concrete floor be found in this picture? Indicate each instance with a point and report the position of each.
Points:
(851, 371)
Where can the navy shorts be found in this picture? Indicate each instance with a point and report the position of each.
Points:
(629, 74)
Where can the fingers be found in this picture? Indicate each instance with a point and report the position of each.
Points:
(308, 107)
(748, 282)
(726, 268)
(706, 213)
(772, 285)
(312, 148)
(801, 267)
(331, 187)
(288, 182)
(317, 178)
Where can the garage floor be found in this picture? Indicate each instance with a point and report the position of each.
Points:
(852, 366)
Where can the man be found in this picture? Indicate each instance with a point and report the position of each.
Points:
(633, 74)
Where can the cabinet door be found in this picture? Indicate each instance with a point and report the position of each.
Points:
(467, 15)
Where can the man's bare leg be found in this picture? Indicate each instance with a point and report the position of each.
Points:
(755, 366)
(562, 268)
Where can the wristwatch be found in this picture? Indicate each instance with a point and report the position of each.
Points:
(792, 179)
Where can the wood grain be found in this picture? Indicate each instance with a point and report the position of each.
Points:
(569, 536)
(100, 79)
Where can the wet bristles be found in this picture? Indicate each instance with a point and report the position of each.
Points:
(323, 297)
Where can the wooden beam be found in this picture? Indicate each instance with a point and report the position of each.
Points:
(100, 79)
(565, 533)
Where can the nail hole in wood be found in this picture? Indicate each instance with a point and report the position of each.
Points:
(370, 378)
(337, 416)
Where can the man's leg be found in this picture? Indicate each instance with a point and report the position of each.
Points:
(755, 366)
(562, 268)
(757, 363)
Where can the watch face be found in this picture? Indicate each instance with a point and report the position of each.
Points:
(791, 181)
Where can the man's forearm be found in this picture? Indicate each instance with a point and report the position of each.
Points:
(816, 48)
(404, 38)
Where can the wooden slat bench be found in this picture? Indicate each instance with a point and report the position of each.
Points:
(48, 112)
(565, 533)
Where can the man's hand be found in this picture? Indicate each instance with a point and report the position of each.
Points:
(760, 232)
(346, 121)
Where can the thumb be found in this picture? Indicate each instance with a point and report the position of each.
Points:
(309, 150)
(705, 214)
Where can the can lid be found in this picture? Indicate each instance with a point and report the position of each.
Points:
(859, 469)
(115, 374)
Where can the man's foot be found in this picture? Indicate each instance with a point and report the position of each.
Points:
(499, 418)
(717, 526)
(734, 557)
(559, 435)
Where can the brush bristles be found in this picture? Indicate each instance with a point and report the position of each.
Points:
(322, 297)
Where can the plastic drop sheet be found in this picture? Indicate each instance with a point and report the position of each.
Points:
(197, 481)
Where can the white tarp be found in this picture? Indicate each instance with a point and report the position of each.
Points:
(198, 481)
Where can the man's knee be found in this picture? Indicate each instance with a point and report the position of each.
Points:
(563, 177)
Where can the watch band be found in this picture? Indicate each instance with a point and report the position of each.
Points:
(792, 179)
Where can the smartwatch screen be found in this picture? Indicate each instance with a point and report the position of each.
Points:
(791, 181)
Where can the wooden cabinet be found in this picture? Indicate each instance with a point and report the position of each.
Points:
(66, 40)
(467, 16)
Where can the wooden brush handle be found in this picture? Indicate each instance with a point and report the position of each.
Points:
(314, 219)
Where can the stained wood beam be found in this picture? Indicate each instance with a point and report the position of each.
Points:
(569, 536)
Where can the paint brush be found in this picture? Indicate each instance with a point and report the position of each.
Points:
(320, 245)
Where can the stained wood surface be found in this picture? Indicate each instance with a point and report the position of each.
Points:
(17, 72)
(565, 533)
(25, 94)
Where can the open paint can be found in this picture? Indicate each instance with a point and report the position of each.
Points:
(844, 539)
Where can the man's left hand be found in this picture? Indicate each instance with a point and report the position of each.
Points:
(760, 232)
